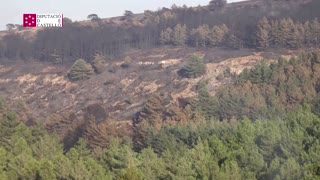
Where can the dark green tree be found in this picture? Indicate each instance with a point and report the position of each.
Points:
(194, 68)
(80, 70)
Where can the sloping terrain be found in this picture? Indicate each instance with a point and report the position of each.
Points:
(120, 90)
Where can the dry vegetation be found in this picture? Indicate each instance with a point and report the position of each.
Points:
(46, 89)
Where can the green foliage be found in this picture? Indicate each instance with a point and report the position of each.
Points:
(152, 166)
(206, 103)
(121, 161)
(286, 148)
(194, 68)
(46, 170)
(267, 91)
(80, 70)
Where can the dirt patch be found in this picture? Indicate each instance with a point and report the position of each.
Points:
(169, 62)
(28, 78)
(126, 82)
(156, 56)
(48, 69)
(4, 69)
(54, 80)
(148, 87)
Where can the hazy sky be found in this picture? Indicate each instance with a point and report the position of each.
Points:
(11, 10)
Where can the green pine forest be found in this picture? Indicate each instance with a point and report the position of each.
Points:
(264, 124)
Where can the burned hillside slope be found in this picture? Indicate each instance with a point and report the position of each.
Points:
(122, 87)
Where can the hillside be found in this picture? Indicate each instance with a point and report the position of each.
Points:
(224, 91)
(258, 149)
(46, 89)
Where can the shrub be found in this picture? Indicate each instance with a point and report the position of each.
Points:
(195, 67)
(98, 62)
(80, 70)
(124, 65)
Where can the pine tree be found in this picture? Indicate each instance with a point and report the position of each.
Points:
(263, 33)
(149, 117)
(217, 35)
(230, 170)
(284, 32)
(215, 5)
(152, 166)
(195, 67)
(315, 31)
(233, 42)
(152, 111)
(199, 36)
(98, 62)
(166, 36)
(300, 33)
(80, 70)
(308, 34)
(204, 163)
(46, 170)
(179, 34)
(275, 33)
(290, 169)
(3, 162)
(292, 38)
